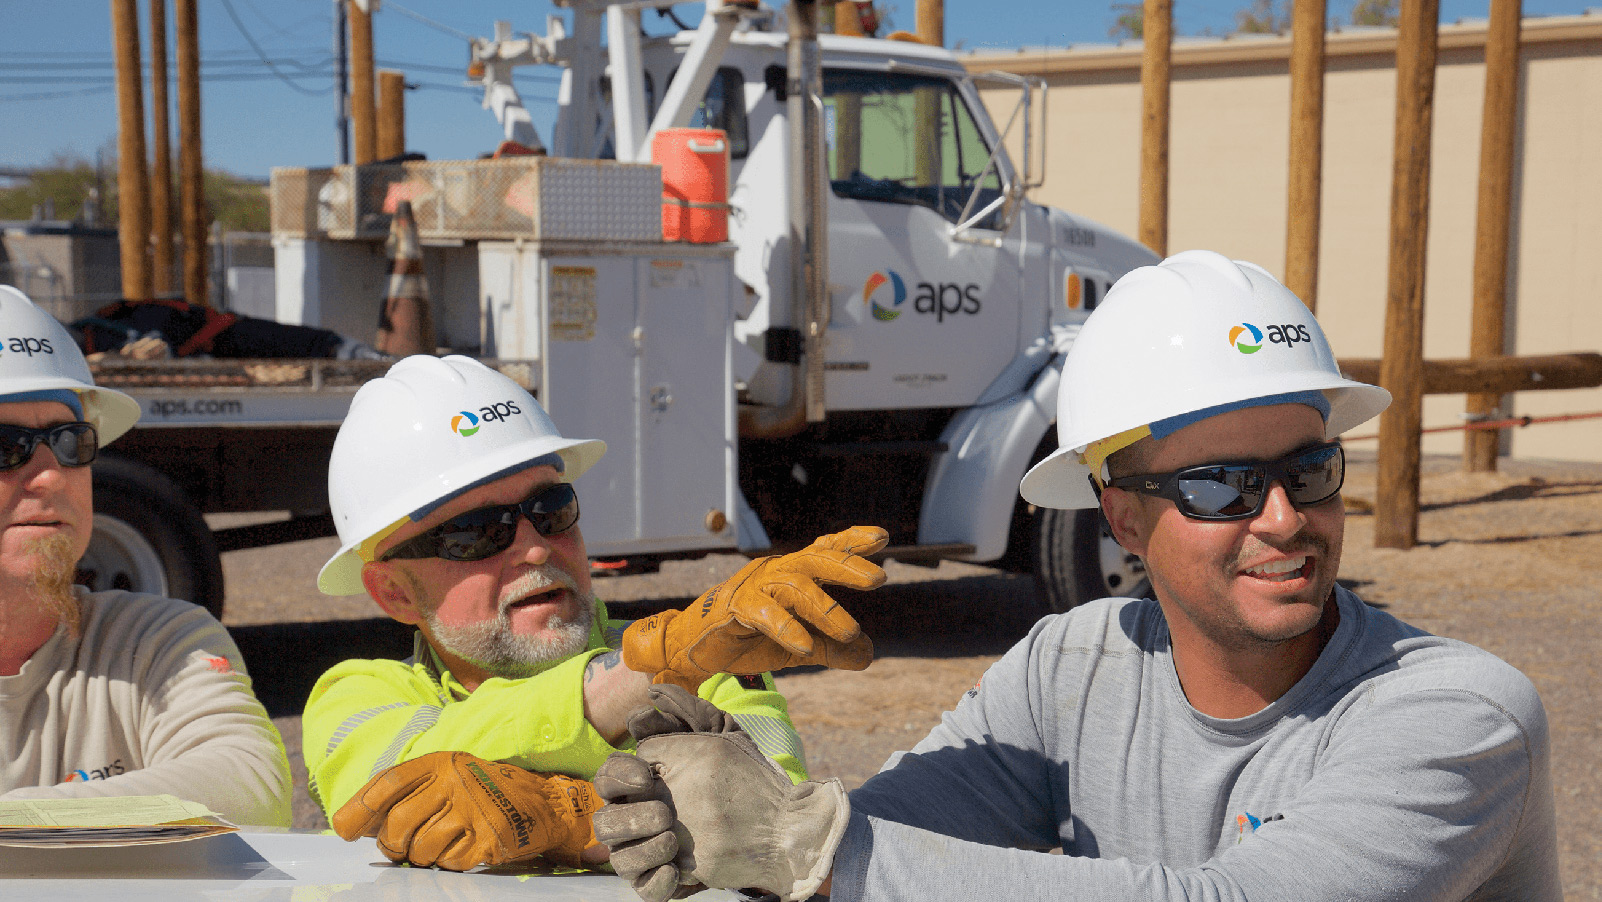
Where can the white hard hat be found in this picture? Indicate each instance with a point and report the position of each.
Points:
(37, 354)
(1189, 338)
(429, 430)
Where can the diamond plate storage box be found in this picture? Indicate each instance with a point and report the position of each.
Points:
(516, 197)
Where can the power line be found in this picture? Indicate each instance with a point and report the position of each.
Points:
(205, 66)
(462, 35)
(108, 79)
(249, 39)
(409, 66)
(87, 58)
(53, 95)
(412, 66)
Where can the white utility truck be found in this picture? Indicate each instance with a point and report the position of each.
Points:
(879, 341)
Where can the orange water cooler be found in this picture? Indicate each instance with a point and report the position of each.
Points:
(695, 183)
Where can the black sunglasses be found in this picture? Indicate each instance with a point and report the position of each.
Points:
(487, 531)
(1237, 491)
(73, 444)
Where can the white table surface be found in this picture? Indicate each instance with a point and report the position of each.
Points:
(262, 865)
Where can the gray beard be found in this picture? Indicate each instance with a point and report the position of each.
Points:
(492, 645)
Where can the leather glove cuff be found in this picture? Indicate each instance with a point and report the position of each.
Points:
(817, 832)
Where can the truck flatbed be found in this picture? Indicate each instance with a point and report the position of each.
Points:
(245, 393)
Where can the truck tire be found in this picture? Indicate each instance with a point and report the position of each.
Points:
(1077, 560)
(148, 537)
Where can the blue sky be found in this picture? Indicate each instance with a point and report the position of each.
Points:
(56, 94)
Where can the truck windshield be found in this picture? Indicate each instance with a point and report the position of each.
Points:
(907, 139)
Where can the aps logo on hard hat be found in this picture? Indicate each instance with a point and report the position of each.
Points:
(1287, 334)
(28, 345)
(466, 423)
(1246, 347)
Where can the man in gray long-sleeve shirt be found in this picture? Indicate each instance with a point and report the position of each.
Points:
(1255, 732)
(104, 693)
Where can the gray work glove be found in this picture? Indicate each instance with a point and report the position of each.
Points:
(698, 804)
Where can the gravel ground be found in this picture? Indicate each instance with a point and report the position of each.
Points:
(1507, 561)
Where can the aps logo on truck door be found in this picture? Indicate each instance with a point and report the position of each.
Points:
(943, 299)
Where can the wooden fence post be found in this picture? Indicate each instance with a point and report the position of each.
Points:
(1402, 366)
(1304, 185)
(1488, 332)
(1157, 30)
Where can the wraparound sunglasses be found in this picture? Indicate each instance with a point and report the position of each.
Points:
(73, 444)
(487, 531)
(1237, 491)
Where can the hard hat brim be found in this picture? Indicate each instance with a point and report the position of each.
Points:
(1062, 481)
(342, 575)
(112, 412)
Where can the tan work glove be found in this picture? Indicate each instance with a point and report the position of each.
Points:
(457, 811)
(770, 615)
(699, 805)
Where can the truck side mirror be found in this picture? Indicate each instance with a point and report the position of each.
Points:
(777, 80)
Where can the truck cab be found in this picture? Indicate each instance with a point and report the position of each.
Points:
(950, 296)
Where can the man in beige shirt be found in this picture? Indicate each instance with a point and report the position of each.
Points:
(104, 693)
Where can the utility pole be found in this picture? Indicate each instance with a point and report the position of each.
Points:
(341, 83)
(191, 176)
(391, 114)
(161, 170)
(133, 191)
(361, 82)
(931, 22)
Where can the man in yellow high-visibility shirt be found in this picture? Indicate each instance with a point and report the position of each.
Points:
(451, 490)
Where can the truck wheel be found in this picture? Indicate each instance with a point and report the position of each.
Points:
(148, 537)
(1076, 559)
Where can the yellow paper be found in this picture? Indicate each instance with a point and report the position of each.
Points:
(113, 821)
(112, 811)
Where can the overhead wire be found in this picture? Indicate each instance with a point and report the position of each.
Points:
(96, 69)
(251, 40)
(53, 95)
(437, 26)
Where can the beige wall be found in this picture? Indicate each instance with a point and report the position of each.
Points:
(1228, 156)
